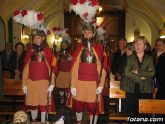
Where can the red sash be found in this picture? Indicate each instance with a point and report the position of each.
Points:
(87, 72)
(38, 71)
(65, 66)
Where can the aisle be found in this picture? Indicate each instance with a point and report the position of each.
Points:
(61, 110)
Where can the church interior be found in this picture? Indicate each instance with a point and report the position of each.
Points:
(122, 20)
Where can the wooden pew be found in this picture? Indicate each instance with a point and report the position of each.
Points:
(12, 88)
(151, 106)
(117, 93)
(6, 74)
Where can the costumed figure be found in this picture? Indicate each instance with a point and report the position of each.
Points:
(39, 67)
(88, 70)
(64, 66)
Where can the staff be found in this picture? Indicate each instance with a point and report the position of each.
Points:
(99, 80)
(50, 79)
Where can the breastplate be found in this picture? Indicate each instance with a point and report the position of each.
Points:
(88, 56)
(37, 56)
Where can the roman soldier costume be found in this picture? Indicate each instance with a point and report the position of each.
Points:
(87, 64)
(87, 67)
(36, 76)
(64, 67)
(38, 69)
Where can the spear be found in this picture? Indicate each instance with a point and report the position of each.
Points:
(99, 81)
(49, 95)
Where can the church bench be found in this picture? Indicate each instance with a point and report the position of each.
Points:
(7, 113)
(117, 117)
(5, 74)
(151, 106)
(116, 93)
(12, 88)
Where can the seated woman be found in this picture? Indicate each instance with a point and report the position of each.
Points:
(139, 71)
(16, 61)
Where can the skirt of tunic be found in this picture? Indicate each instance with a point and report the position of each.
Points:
(37, 92)
(63, 80)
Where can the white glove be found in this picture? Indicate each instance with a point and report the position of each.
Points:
(60, 121)
(70, 58)
(73, 91)
(99, 90)
(50, 88)
(25, 89)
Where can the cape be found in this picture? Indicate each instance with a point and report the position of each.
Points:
(49, 55)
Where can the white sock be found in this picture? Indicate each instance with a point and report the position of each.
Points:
(43, 116)
(79, 116)
(34, 114)
(91, 119)
(61, 93)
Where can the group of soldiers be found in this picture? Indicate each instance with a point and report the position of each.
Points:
(83, 72)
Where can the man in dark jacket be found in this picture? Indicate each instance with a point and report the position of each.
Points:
(6, 55)
(160, 70)
(118, 59)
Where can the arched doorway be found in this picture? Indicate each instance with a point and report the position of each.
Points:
(2, 35)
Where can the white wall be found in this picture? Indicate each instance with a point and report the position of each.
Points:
(16, 32)
(142, 22)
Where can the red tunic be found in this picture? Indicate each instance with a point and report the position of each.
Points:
(36, 78)
(86, 89)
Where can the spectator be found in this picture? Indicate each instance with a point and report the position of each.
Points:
(160, 69)
(130, 48)
(1, 85)
(129, 51)
(6, 55)
(157, 50)
(139, 71)
(16, 61)
(119, 56)
(148, 49)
